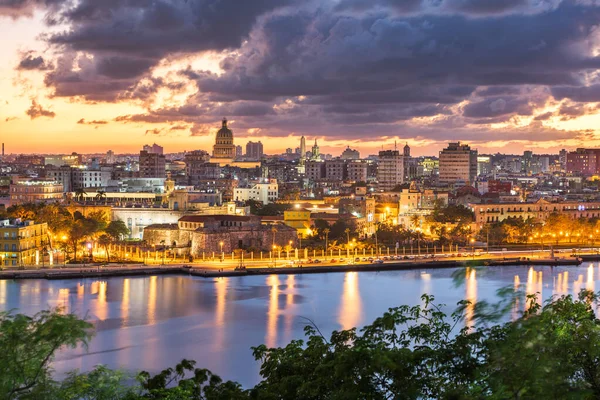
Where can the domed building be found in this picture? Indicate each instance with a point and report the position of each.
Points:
(224, 147)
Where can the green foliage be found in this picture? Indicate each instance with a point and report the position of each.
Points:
(28, 345)
(117, 230)
(271, 209)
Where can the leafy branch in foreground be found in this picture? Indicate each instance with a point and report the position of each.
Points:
(547, 351)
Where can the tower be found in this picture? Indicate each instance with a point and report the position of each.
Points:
(406, 150)
(315, 151)
(302, 147)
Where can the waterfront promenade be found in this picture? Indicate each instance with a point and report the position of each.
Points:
(211, 269)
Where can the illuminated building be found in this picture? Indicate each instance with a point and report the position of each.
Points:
(21, 243)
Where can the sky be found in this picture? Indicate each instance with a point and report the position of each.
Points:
(501, 75)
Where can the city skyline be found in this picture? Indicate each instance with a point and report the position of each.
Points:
(502, 76)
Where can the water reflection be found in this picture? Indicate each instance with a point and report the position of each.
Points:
(589, 284)
(154, 322)
(221, 293)
(2, 292)
(273, 311)
(351, 306)
(471, 296)
(152, 300)
(289, 304)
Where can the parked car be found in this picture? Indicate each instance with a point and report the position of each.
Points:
(377, 261)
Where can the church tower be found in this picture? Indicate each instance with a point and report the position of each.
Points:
(315, 151)
(224, 147)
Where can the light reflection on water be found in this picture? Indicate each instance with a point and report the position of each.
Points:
(153, 322)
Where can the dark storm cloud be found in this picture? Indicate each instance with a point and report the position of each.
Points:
(32, 62)
(128, 37)
(577, 93)
(331, 69)
(36, 111)
(467, 7)
(22, 8)
(497, 106)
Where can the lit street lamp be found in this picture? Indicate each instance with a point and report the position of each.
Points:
(222, 254)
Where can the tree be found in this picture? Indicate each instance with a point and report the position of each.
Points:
(28, 346)
(105, 241)
(80, 194)
(100, 195)
(117, 230)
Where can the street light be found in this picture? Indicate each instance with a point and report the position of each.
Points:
(89, 246)
(222, 254)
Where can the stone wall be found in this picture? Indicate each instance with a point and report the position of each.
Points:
(260, 238)
(155, 234)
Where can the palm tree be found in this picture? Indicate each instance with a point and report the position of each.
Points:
(164, 248)
(326, 232)
(100, 195)
(80, 194)
(347, 231)
(274, 230)
(415, 220)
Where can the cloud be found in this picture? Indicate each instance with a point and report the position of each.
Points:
(82, 121)
(153, 131)
(577, 93)
(345, 69)
(36, 111)
(25, 8)
(31, 62)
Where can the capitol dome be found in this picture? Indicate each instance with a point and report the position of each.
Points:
(224, 132)
(224, 147)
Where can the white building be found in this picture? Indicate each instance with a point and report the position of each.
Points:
(265, 192)
(84, 178)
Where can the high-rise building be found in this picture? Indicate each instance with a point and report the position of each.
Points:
(199, 169)
(110, 157)
(154, 149)
(406, 154)
(224, 147)
(583, 161)
(302, 147)
(335, 170)
(390, 170)
(350, 154)
(238, 151)
(562, 158)
(526, 161)
(458, 163)
(254, 150)
(357, 171)
(484, 165)
(152, 165)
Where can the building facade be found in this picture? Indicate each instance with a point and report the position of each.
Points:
(390, 170)
(22, 243)
(26, 190)
(254, 150)
(458, 163)
(152, 165)
(265, 192)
